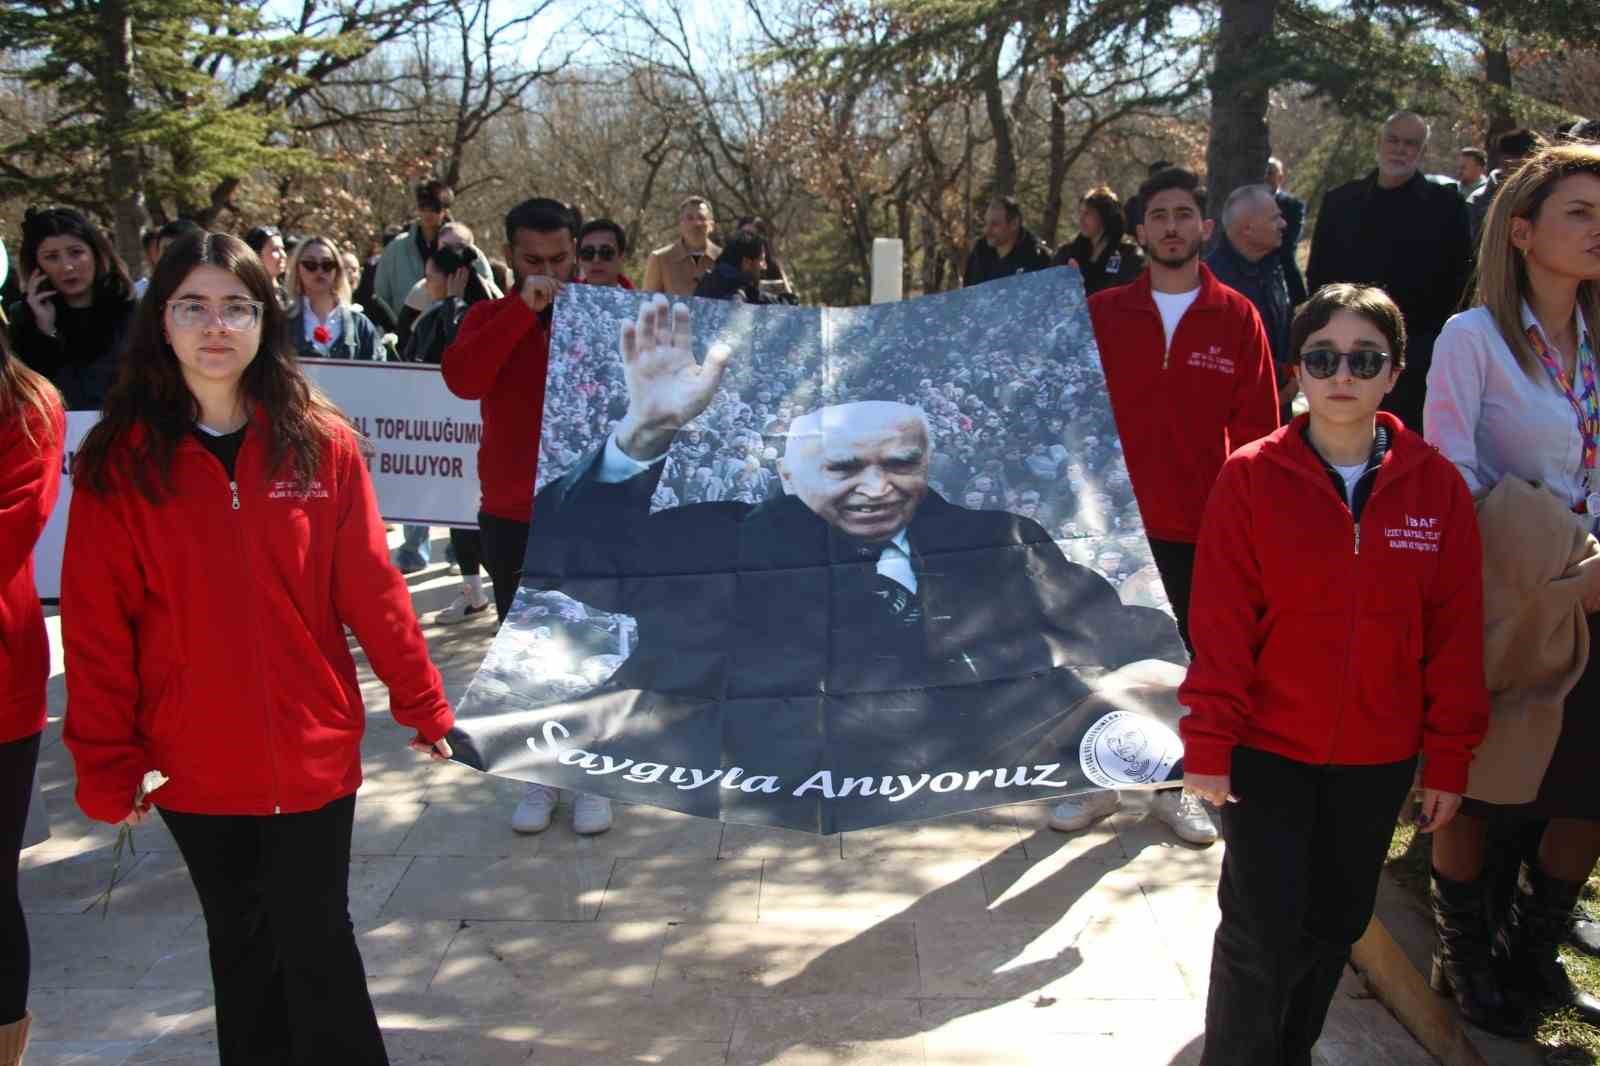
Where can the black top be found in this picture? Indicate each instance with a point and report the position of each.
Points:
(225, 447)
(1117, 264)
(82, 359)
(985, 264)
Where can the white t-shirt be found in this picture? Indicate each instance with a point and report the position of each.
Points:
(1172, 305)
(1351, 475)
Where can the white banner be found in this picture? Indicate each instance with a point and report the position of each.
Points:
(424, 438)
(425, 464)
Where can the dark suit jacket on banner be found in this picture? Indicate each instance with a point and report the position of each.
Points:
(756, 645)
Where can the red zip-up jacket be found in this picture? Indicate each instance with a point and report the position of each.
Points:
(205, 635)
(1332, 642)
(30, 478)
(1180, 411)
(500, 356)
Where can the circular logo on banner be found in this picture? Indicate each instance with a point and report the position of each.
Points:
(1124, 748)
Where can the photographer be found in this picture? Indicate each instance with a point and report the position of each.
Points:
(460, 255)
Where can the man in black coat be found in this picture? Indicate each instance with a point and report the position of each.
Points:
(1396, 229)
(859, 623)
(1007, 246)
(1293, 210)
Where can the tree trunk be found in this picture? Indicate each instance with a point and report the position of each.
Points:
(1057, 177)
(1497, 105)
(124, 181)
(994, 102)
(1240, 80)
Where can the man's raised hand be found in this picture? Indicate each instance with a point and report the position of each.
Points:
(667, 389)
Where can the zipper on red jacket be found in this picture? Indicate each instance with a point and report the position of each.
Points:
(255, 635)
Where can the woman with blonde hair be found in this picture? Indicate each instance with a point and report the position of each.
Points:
(1513, 395)
(322, 324)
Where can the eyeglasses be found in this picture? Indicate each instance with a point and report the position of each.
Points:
(320, 266)
(236, 315)
(1364, 363)
(603, 252)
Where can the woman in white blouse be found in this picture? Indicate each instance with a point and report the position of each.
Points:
(1513, 392)
(322, 324)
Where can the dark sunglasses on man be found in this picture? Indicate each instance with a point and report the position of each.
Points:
(603, 252)
(1364, 363)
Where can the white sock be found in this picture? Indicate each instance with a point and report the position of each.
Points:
(474, 583)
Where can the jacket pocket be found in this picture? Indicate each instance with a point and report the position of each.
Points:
(1388, 662)
(162, 717)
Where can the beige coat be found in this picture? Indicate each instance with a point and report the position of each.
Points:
(1536, 637)
(675, 270)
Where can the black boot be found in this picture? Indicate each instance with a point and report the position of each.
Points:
(1462, 962)
(1540, 917)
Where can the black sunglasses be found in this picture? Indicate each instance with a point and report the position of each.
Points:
(603, 252)
(320, 266)
(1365, 363)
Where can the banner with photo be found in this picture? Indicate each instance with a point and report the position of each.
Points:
(424, 458)
(889, 568)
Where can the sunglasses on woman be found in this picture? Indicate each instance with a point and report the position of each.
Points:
(1364, 363)
(320, 266)
(590, 252)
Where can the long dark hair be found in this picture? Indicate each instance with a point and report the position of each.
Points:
(39, 224)
(151, 396)
(1103, 202)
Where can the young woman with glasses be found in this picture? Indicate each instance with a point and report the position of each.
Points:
(77, 304)
(214, 651)
(1513, 395)
(322, 324)
(32, 428)
(1337, 622)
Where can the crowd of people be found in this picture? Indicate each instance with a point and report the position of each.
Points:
(1393, 594)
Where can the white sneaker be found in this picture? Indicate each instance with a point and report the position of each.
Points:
(1080, 812)
(1184, 814)
(590, 814)
(533, 813)
(462, 608)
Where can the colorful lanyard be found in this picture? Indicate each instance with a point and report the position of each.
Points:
(1585, 404)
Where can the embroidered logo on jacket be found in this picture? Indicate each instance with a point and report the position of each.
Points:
(1212, 359)
(1417, 535)
(296, 490)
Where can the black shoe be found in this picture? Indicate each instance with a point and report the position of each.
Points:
(1463, 964)
(1585, 936)
(1538, 923)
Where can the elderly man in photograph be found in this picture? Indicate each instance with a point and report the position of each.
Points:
(860, 591)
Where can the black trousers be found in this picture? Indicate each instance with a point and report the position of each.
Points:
(1175, 561)
(18, 758)
(1305, 846)
(469, 550)
(505, 543)
(290, 984)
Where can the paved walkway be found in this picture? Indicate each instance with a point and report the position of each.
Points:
(970, 941)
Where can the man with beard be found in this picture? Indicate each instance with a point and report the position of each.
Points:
(1189, 368)
(859, 622)
(501, 356)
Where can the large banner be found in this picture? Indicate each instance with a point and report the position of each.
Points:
(424, 458)
(890, 567)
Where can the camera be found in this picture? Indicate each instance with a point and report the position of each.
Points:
(451, 258)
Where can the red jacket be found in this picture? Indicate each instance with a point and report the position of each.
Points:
(1329, 642)
(205, 635)
(30, 478)
(500, 356)
(1181, 411)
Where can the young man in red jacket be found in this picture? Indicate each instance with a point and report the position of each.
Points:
(1338, 610)
(1190, 372)
(500, 356)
